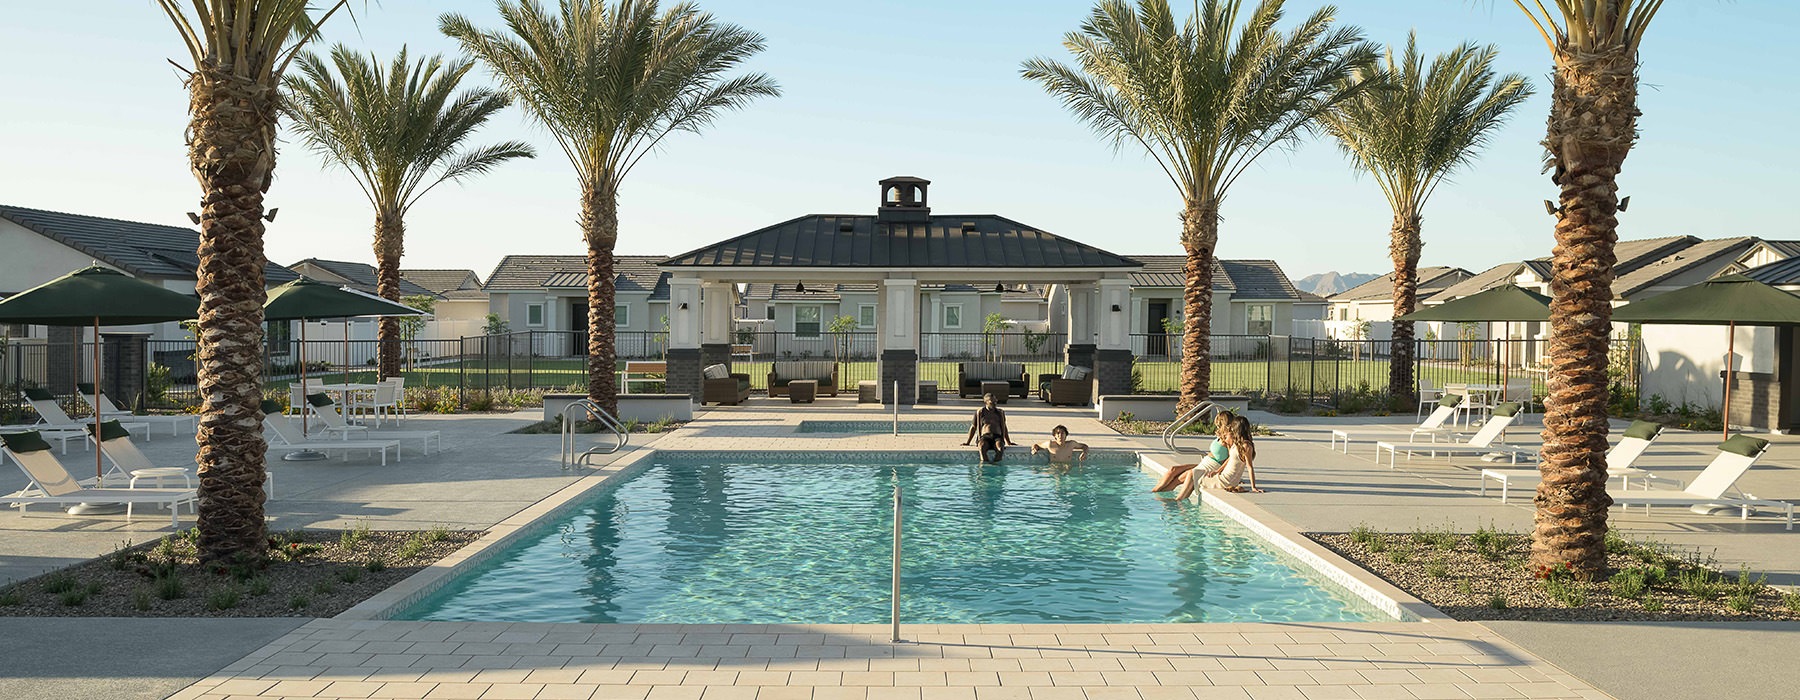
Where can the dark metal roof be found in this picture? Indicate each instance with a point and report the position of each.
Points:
(1477, 283)
(1778, 273)
(1683, 260)
(141, 249)
(632, 274)
(362, 277)
(859, 241)
(834, 292)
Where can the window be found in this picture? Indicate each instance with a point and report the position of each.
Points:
(953, 315)
(771, 312)
(280, 336)
(534, 314)
(806, 321)
(621, 315)
(865, 315)
(1262, 319)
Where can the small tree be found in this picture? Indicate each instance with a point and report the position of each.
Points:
(990, 334)
(495, 326)
(837, 328)
(411, 325)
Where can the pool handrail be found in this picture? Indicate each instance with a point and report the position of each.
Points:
(594, 412)
(1193, 415)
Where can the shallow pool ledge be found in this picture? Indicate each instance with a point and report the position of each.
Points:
(1282, 535)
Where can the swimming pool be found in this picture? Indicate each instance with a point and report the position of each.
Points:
(734, 538)
(882, 426)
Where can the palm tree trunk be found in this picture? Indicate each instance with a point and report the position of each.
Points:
(390, 244)
(231, 149)
(1199, 236)
(1593, 121)
(600, 225)
(1403, 246)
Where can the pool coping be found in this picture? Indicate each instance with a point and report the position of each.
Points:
(1384, 596)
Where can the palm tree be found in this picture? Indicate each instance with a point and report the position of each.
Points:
(1410, 133)
(1593, 122)
(610, 83)
(239, 50)
(1205, 104)
(399, 132)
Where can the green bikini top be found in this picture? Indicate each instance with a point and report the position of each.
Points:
(1219, 452)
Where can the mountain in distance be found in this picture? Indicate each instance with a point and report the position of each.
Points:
(1328, 283)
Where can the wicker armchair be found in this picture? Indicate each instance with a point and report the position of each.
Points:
(732, 390)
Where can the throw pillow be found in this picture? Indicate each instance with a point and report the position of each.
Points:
(1075, 373)
(716, 372)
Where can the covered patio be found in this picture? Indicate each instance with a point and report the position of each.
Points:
(901, 248)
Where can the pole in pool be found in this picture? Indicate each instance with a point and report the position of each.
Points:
(896, 409)
(895, 637)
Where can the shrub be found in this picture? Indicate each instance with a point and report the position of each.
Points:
(59, 583)
(224, 598)
(1566, 590)
(1629, 583)
(1438, 568)
(1791, 601)
(258, 586)
(11, 597)
(1699, 583)
(1654, 604)
(141, 599)
(1362, 534)
(375, 564)
(78, 595)
(169, 587)
(298, 602)
(356, 536)
(1497, 601)
(350, 574)
(1399, 555)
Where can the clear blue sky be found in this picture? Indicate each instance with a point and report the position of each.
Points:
(91, 119)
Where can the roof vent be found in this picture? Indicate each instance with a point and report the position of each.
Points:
(968, 227)
(846, 226)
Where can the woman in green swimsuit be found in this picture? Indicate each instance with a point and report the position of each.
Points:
(1216, 456)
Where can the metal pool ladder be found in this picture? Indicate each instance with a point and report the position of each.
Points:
(1200, 411)
(593, 412)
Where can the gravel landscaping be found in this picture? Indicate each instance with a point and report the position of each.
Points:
(311, 573)
(1484, 576)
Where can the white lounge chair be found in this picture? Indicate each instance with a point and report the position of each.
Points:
(51, 484)
(288, 437)
(1735, 456)
(1619, 461)
(327, 413)
(52, 417)
(1482, 442)
(130, 463)
(1433, 425)
(108, 409)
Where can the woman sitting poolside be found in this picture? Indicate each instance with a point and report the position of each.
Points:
(1216, 454)
(1229, 475)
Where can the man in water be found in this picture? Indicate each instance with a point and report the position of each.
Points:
(990, 425)
(1060, 448)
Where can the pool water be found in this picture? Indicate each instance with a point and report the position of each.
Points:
(882, 426)
(716, 540)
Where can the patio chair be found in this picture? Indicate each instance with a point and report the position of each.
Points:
(51, 484)
(384, 400)
(327, 413)
(52, 418)
(1482, 442)
(1619, 459)
(1519, 390)
(1709, 489)
(1429, 395)
(108, 409)
(298, 390)
(288, 437)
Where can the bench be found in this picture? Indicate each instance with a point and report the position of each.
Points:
(822, 371)
(971, 375)
(744, 351)
(639, 372)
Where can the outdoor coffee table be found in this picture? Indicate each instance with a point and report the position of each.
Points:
(802, 390)
(868, 391)
(928, 392)
(998, 390)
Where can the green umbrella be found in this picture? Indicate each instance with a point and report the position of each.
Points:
(308, 300)
(1726, 301)
(1506, 303)
(97, 296)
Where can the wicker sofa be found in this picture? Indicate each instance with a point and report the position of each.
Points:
(729, 389)
(970, 375)
(822, 371)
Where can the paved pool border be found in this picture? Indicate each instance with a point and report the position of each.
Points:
(1286, 539)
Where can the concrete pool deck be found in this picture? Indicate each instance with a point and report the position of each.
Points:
(1311, 487)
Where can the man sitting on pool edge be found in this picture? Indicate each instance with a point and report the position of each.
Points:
(990, 424)
(1060, 449)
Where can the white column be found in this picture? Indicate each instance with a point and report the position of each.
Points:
(899, 314)
(1113, 326)
(715, 309)
(1081, 314)
(684, 323)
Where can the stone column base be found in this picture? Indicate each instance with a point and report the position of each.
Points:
(125, 359)
(900, 366)
(1079, 355)
(684, 373)
(1112, 371)
(715, 354)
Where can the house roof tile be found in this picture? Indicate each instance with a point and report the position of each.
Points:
(1431, 280)
(632, 273)
(138, 248)
(362, 276)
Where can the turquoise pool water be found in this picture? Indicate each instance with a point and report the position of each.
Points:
(882, 426)
(788, 539)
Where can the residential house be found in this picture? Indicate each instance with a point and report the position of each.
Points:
(1373, 301)
(362, 332)
(548, 294)
(461, 307)
(42, 245)
(1250, 298)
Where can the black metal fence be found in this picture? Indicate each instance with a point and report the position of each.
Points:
(1323, 372)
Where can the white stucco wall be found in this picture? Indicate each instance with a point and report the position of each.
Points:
(1682, 363)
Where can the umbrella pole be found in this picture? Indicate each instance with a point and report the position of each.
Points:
(302, 455)
(1730, 368)
(98, 471)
